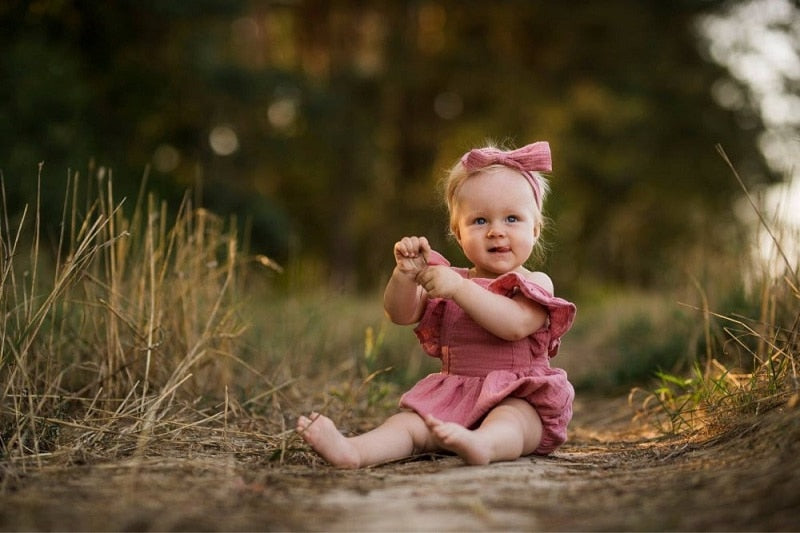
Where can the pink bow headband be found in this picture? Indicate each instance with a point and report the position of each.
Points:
(531, 158)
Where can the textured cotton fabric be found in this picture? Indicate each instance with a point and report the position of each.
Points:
(479, 369)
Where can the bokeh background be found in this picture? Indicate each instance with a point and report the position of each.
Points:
(324, 126)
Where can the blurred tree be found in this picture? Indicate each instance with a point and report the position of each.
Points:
(330, 122)
(125, 85)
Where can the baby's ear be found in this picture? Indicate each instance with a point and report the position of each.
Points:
(537, 230)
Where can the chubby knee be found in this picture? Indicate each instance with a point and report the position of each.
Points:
(528, 419)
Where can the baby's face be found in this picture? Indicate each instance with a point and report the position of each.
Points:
(496, 221)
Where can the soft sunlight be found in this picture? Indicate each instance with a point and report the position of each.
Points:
(758, 41)
(223, 140)
(782, 204)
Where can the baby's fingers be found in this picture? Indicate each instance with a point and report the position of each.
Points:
(408, 247)
(425, 248)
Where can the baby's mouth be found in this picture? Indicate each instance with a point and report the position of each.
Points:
(499, 249)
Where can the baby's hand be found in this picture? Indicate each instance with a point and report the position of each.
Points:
(411, 253)
(440, 281)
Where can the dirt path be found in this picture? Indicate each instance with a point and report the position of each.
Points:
(610, 476)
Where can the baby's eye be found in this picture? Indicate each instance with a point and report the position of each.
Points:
(512, 218)
(479, 221)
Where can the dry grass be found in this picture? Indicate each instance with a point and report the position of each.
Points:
(151, 371)
(132, 337)
(750, 361)
(154, 334)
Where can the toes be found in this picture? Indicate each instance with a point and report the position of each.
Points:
(304, 422)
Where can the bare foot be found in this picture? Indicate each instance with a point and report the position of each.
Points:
(320, 433)
(460, 440)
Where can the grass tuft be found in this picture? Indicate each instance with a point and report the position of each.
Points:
(750, 354)
(148, 332)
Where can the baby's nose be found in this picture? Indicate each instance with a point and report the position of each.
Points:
(495, 231)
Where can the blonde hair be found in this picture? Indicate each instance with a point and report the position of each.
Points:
(458, 174)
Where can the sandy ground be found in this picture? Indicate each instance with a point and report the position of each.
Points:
(611, 476)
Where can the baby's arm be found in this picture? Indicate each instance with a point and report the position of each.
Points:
(508, 318)
(404, 299)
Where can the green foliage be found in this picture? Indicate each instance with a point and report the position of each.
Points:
(714, 395)
(345, 115)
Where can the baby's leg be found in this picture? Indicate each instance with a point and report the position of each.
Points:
(509, 431)
(400, 436)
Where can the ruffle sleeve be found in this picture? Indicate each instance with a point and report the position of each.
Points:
(429, 327)
(428, 330)
(561, 312)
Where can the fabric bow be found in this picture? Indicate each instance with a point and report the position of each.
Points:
(534, 157)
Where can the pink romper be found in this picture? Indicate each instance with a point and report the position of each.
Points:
(479, 370)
